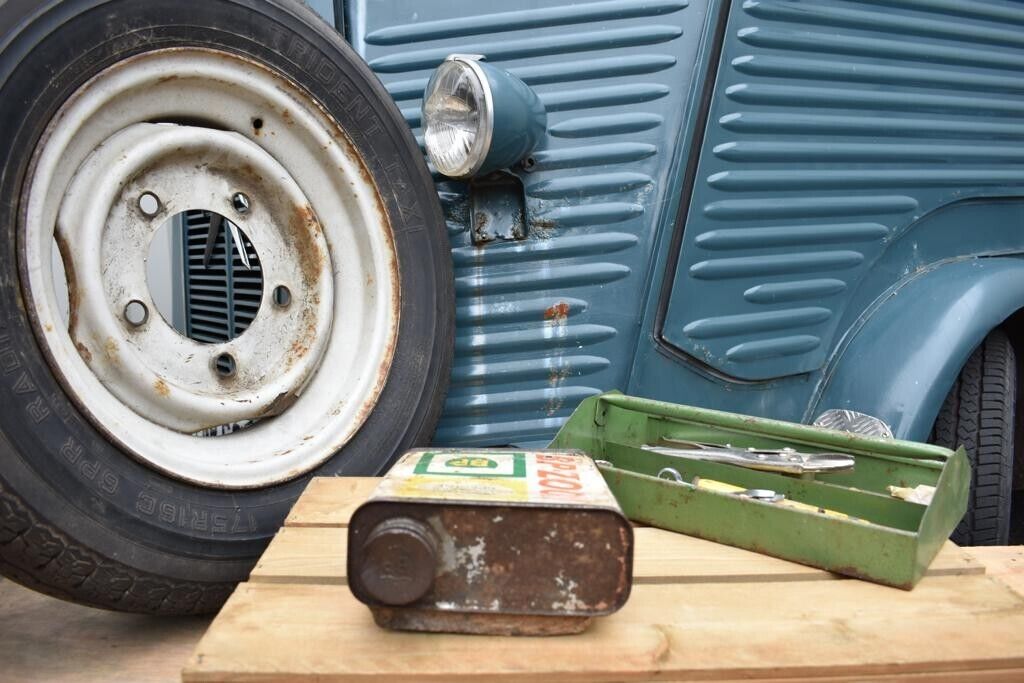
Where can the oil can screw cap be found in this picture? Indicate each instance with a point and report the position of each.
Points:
(398, 561)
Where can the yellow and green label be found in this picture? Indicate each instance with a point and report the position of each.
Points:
(469, 464)
(497, 475)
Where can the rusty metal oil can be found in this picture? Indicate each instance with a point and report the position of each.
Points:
(494, 541)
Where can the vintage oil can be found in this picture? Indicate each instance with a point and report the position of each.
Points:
(494, 541)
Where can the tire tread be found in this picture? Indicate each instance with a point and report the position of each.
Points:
(40, 557)
(978, 414)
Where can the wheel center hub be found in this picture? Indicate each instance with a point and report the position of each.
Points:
(121, 194)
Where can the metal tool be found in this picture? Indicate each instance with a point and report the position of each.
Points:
(491, 541)
(758, 494)
(763, 495)
(786, 460)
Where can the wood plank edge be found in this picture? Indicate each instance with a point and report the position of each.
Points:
(299, 580)
(945, 673)
(334, 580)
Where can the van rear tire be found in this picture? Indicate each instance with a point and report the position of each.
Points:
(979, 414)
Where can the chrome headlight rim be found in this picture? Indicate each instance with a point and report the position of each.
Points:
(481, 148)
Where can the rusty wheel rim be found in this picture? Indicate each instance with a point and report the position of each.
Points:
(187, 129)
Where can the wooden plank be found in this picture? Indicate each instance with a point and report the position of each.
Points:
(666, 557)
(317, 555)
(304, 555)
(713, 631)
(330, 501)
(1005, 563)
(987, 676)
(307, 550)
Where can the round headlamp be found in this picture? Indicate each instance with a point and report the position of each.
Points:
(478, 118)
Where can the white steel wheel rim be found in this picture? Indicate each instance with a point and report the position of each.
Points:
(313, 370)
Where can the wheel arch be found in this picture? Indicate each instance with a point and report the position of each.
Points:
(903, 355)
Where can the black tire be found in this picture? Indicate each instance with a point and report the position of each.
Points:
(978, 413)
(79, 518)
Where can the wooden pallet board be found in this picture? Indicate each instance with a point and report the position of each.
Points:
(699, 610)
(317, 555)
(1006, 563)
(330, 501)
(710, 631)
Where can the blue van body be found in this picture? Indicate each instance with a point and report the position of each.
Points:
(772, 207)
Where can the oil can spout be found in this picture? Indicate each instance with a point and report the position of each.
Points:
(399, 560)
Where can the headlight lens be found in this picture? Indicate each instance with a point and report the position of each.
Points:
(457, 117)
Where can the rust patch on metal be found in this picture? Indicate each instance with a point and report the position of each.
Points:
(500, 561)
(251, 173)
(161, 388)
(511, 562)
(111, 351)
(553, 405)
(348, 148)
(300, 347)
(558, 375)
(69, 274)
(559, 311)
(287, 117)
(84, 352)
(396, 302)
(283, 402)
(304, 228)
(539, 227)
(482, 624)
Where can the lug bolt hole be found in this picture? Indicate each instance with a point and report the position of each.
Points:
(282, 296)
(241, 203)
(149, 204)
(136, 313)
(225, 366)
(257, 124)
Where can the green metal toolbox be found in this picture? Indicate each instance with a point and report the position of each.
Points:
(850, 523)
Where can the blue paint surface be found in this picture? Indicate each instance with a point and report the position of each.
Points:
(850, 160)
(325, 8)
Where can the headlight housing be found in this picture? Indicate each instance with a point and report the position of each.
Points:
(478, 118)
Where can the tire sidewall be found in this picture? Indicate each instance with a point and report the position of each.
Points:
(51, 456)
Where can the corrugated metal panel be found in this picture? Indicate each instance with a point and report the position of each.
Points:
(220, 301)
(835, 126)
(540, 320)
